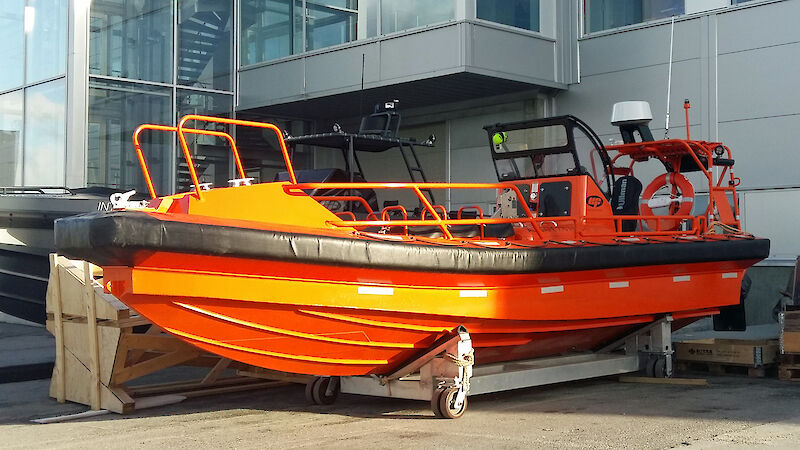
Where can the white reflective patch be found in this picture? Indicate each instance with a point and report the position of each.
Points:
(730, 275)
(618, 284)
(552, 289)
(472, 293)
(680, 278)
(372, 290)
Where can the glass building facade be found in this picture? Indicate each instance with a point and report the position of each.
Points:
(272, 29)
(153, 62)
(602, 15)
(33, 92)
(68, 120)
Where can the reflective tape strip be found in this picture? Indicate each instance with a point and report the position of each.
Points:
(552, 289)
(678, 279)
(730, 275)
(618, 284)
(372, 290)
(472, 293)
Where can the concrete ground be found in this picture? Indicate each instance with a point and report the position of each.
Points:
(732, 412)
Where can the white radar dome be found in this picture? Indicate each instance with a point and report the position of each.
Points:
(631, 113)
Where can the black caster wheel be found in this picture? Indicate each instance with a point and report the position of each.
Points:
(317, 390)
(446, 400)
(657, 368)
(437, 412)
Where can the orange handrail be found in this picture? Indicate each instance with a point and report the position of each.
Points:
(440, 207)
(225, 120)
(142, 162)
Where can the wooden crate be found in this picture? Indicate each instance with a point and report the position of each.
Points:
(101, 346)
(790, 332)
(747, 353)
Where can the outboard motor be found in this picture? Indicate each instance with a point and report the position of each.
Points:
(632, 118)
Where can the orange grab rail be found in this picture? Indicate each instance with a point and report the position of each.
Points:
(142, 162)
(346, 213)
(247, 123)
(440, 207)
(440, 221)
(697, 222)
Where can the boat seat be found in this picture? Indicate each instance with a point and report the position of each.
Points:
(625, 200)
(333, 175)
(498, 230)
(433, 231)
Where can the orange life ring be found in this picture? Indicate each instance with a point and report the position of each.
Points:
(682, 194)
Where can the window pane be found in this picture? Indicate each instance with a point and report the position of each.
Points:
(266, 30)
(45, 134)
(211, 155)
(605, 14)
(115, 110)
(131, 39)
(204, 44)
(399, 15)
(12, 50)
(517, 13)
(46, 31)
(368, 18)
(11, 107)
(327, 23)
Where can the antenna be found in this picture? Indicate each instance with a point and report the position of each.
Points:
(669, 76)
(361, 94)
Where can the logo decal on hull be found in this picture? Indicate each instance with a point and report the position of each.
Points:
(594, 201)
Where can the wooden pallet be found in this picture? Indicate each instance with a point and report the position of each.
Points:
(789, 369)
(789, 372)
(101, 346)
(726, 369)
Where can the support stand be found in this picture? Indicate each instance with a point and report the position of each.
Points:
(444, 373)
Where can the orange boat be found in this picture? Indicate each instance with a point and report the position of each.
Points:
(311, 277)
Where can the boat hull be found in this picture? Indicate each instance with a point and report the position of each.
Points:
(23, 281)
(26, 238)
(337, 320)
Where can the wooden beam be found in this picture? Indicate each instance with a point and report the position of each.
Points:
(58, 327)
(153, 365)
(91, 322)
(675, 381)
(216, 371)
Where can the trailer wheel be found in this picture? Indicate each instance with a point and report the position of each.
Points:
(446, 404)
(317, 391)
(657, 368)
(437, 411)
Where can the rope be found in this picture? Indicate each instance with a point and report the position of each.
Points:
(729, 228)
(467, 360)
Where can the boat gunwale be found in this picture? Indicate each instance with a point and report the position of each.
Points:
(119, 237)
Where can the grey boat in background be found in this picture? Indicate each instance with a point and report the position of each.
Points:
(26, 239)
